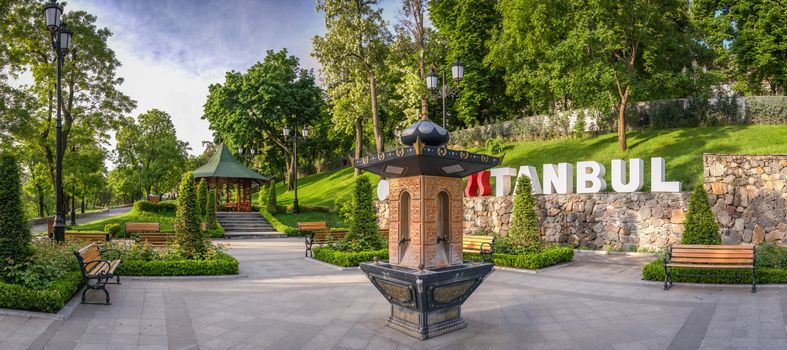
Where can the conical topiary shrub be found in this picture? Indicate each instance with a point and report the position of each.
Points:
(701, 226)
(202, 199)
(210, 217)
(523, 232)
(188, 235)
(363, 233)
(14, 232)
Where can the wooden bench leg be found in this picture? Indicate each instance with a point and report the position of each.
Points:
(99, 285)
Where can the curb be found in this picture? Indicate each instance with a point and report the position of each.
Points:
(605, 252)
(335, 267)
(183, 278)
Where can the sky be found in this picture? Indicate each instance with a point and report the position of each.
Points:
(172, 50)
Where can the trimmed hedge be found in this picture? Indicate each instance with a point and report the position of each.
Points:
(305, 208)
(225, 266)
(654, 271)
(348, 259)
(533, 261)
(51, 299)
(278, 226)
(151, 207)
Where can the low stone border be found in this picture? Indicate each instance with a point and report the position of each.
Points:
(63, 314)
(182, 278)
(340, 268)
(606, 252)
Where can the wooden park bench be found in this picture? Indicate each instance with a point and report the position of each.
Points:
(156, 240)
(711, 257)
(483, 245)
(142, 227)
(97, 271)
(94, 237)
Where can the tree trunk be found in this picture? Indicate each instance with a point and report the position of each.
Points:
(377, 124)
(622, 121)
(40, 202)
(358, 142)
(288, 169)
(82, 209)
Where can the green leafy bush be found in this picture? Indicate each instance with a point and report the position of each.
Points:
(15, 234)
(46, 299)
(363, 233)
(202, 198)
(344, 207)
(348, 259)
(701, 226)
(216, 232)
(531, 261)
(654, 271)
(766, 109)
(771, 255)
(523, 232)
(50, 261)
(495, 145)
(150, 207)
(224, 265)
(272, 204)
(114, 230)
(278, 226)
(189, 237)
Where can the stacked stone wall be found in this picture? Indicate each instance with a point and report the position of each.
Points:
(748, 196)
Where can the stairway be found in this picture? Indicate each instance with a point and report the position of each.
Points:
(247, 225)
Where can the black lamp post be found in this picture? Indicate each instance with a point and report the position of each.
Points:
(457, 72)
(305, 133)
(61, 41)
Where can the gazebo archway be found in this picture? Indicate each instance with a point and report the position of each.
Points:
(234, 183)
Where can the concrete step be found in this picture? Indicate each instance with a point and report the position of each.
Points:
(231, 227)
(249, 229)
(253, 235)
(254, 221)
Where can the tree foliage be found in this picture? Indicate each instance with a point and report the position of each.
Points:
(363, 233)
(210, 217)
(15, 235)
(601, 53)
(750, 37)
(190, 239)
(701, 226)
(524, 231)
(202, 198)
(272, 204)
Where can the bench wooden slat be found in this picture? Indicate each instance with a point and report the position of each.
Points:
(683, 252)
(141, 227)
(713, 247)
(712, 260)
(154, 239)
(711, 266)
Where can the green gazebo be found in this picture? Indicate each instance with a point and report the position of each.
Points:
(224, 172)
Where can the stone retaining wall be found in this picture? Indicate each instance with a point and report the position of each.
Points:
(748, 195)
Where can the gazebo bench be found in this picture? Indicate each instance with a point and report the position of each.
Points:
(142, 227)
(97, 271)
(483, 245)
(710, 257)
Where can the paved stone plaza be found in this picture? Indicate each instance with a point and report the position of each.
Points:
(282, 301)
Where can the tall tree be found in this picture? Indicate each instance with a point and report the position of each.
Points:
(149, 148)
(750, 37)
(15, 235)
(351, 53)
(467, 25)
(271, 94)
(413, 20)
(599, 53)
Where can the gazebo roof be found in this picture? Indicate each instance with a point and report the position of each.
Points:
(224, 164)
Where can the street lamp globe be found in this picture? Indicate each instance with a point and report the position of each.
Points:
(305, 131)
(431, 80)
(65, 38)
(457, 70)
(286, 131)
(52, 13)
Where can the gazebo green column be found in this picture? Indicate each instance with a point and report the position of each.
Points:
(223, 171)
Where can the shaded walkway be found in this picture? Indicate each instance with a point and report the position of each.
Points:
(287, 302)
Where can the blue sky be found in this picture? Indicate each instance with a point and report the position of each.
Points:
(172, 50)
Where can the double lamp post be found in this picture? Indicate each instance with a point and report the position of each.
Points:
(457, 72)
(61, 42)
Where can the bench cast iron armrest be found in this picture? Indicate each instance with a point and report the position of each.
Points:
(486, 254)
(309, 240)
(98, 264)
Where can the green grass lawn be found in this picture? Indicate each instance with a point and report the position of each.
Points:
(166, 219)
(291, 220)
(681, 148)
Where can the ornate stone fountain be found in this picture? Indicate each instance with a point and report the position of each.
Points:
(426, 279)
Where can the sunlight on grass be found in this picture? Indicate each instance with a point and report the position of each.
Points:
(166, 219)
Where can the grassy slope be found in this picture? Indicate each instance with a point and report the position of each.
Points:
(681, 148)
(291, 220)
(165, 218)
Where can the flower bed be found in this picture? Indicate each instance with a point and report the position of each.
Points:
(348, 259)
(531, 261)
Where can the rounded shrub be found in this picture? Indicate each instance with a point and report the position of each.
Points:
(701, 226)
(114, 230)
(15, 235)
